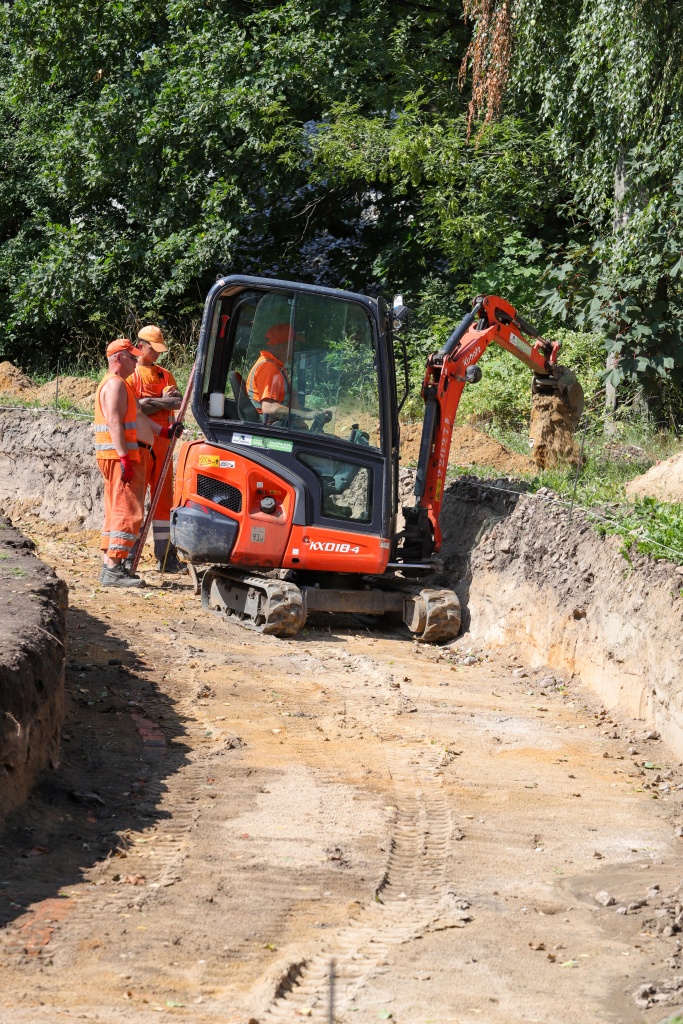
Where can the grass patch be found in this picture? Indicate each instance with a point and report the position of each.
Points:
(14, 570)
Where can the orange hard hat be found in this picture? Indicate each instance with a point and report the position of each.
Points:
(279, 334)
(122, 345)
(153, 336)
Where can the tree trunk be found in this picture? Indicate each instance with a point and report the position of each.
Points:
(620, 220)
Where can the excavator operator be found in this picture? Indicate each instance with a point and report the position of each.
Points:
(268, 385)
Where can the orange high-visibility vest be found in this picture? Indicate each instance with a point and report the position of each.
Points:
(149, 382)
(104, 446)
(268, 362)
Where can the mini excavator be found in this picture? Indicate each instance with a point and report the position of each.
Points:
(280, 516)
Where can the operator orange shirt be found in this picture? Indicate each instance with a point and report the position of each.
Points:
(149, 382)
(268, 380)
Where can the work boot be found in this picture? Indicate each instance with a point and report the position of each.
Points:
(171, 563)
(117, 576)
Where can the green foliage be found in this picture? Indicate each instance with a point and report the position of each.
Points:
(147, 147)
(606, 80)
(156, 145)
(650, 527)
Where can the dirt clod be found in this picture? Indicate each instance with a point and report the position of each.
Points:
(551, 432)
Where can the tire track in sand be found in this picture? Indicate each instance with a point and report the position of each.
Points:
(412, 898)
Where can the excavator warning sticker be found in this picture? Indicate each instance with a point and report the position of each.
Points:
(277, 444)
(258, 534)
(209, 460)
(227, 464)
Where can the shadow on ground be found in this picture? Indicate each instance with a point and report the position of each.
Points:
(108, 781)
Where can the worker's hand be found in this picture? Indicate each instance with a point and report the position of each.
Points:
(126, 470)
(173, 430)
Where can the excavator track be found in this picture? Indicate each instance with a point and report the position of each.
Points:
(270, 606)
(279, 608)
(430, 614)
(441, 611)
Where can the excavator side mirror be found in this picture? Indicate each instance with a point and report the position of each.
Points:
(472, 374)
(399, 313)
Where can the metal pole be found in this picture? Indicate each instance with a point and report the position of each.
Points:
(57, 387)
(162, 476)
(578, 470)
(330, 1010)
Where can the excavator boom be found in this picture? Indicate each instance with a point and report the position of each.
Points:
(448, 371)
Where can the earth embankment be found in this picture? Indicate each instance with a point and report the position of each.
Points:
(32, 657)
(47, 468)
(567, 598)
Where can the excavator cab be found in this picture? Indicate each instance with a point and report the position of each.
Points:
(295, 382)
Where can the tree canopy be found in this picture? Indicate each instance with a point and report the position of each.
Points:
(433, 149)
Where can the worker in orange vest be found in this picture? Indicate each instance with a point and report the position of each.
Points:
(158, 394)
(268, 386)
(124, 440)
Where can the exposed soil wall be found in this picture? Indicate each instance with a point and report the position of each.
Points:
(47, 468)
(570, 599)
(32, 656)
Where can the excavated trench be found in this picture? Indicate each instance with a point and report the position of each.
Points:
(236, 813)
(526, 572)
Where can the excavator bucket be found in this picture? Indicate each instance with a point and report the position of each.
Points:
(556, 409)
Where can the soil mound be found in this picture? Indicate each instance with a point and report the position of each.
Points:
(14, 382)
(48, 469)
(79, 390)
(469, 447)
(551, 432)
(663, 481)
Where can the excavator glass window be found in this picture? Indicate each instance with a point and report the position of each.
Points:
(298, 362)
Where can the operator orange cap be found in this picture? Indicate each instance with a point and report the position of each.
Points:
(279, 334)
(122, 345)
(153, 336)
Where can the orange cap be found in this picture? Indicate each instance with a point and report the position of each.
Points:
(122, 345)
(279, 334)
(154, 337)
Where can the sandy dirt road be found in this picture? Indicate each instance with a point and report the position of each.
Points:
(234, 812)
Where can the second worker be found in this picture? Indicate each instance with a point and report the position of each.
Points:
(159, 396)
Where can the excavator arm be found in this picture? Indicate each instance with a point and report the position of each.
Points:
(448, 371)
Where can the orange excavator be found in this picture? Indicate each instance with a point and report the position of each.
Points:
(289, 504)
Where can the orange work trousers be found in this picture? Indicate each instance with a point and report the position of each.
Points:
(161, 524)
(124, 505)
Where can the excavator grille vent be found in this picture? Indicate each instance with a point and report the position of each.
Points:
(220, 492)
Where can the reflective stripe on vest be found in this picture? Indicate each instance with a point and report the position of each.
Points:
(104, 446)
(251, 388)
